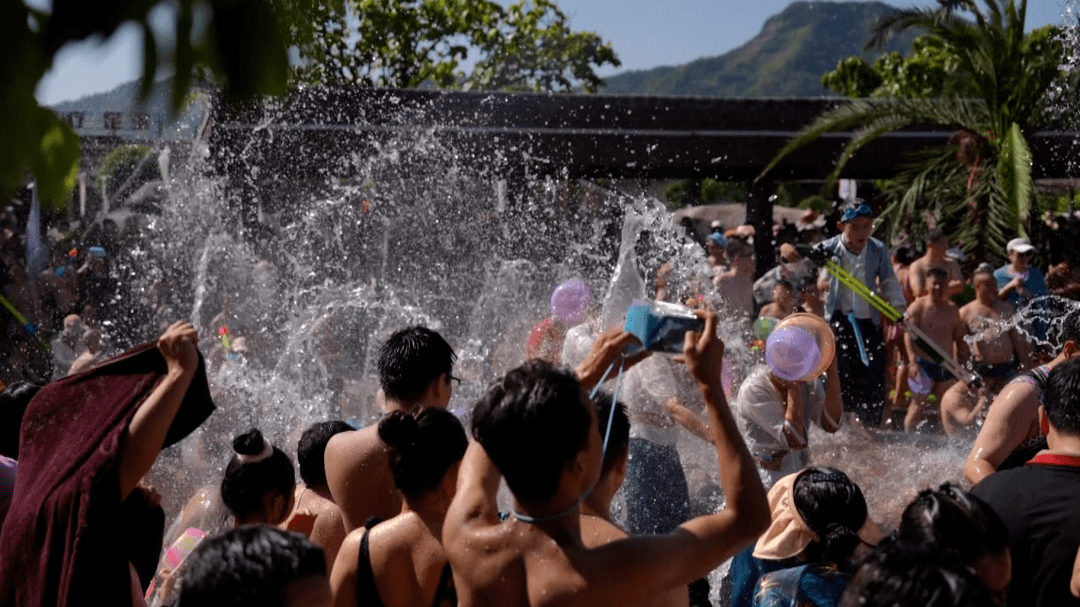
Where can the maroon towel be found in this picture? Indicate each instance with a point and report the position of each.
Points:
(62, 542)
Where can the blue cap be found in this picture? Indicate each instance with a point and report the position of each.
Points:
(718, 238)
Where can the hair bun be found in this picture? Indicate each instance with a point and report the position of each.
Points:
(249, 443)
(398, 429)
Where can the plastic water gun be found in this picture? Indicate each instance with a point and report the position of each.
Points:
(936, 352)
(224, 333)
(30, 327)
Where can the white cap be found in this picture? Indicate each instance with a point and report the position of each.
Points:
(1020, 245)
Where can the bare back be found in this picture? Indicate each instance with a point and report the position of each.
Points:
(358, 473)
(595, 531)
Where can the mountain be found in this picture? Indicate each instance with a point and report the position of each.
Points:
(787, 59)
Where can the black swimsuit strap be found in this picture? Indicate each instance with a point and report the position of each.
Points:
(367, 593)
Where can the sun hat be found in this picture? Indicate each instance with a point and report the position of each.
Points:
(789, 535)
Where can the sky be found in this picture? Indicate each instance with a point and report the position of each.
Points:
(644, 34)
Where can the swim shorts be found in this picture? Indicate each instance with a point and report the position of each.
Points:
(934, 371)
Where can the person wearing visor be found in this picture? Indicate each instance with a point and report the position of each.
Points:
(1020, 283)
(857, 326)
(820, 529)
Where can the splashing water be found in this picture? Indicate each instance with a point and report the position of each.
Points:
(412, 235)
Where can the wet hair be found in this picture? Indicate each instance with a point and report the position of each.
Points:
(1061, 397)
(619, 439)
(532, 424)
(245, 485)
(786, 284)
(312, 447)
(904, 255)
(410, 360)
(938, 273)
(1068, 329)
(834, 508)
(951, 519)
(13, 403)
(251, 566)
(904, 573)
(423, 445)
(935, 235)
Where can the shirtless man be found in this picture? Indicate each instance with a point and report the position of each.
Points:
(736, 286)
(1011, 434)
(313, 496)
(995, 352)
(597, 527)
(939, 318)
(783, 304)
(536, 557)
(415, 367)
(937, 243)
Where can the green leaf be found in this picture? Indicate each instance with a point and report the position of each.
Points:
(1014, 172)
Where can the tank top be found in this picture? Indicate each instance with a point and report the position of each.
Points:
(1027, 449)
(367, 593)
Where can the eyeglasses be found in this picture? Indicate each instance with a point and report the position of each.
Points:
(863, 210)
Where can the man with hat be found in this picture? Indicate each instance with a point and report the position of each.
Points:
(857, 325)
(1020, 283)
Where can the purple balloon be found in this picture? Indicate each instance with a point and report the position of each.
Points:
(570, 301)
(921, 384)
(792, 353)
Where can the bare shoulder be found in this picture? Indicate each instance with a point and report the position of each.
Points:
(1015, 397)
(356, 448)
(595, 531)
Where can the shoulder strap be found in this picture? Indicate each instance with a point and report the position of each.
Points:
(366, 592)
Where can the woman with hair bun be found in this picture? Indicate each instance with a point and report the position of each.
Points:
(819, 520)
(401, 562)
(259, 481)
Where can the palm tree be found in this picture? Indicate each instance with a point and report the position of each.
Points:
(979, 184)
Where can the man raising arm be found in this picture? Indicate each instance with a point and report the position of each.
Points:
(537, 429)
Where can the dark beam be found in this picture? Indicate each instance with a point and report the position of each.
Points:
(309, 133)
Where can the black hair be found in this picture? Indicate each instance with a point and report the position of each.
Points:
(785, 283)
(834, 508)
(937, 272)
(1068, 329)
(905, 573)
(619, 439)
(251, 566)
(951, 519)
(935, 235)
(1061, 397)
(410, 360)
(13, 402)
(312, 447)
(904, 255)
(532, 424)
(423, 445)
(245, 485)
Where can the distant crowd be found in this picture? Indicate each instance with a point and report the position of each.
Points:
(409, 511)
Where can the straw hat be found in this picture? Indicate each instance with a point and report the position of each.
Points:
(788, 535)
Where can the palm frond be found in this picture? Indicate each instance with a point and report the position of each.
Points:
(885, 115)
(1014, 171)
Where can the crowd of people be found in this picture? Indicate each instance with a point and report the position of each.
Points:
(409, 511)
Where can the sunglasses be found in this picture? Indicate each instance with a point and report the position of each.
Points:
(862, 210)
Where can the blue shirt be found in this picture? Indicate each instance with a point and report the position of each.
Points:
(870, 265)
